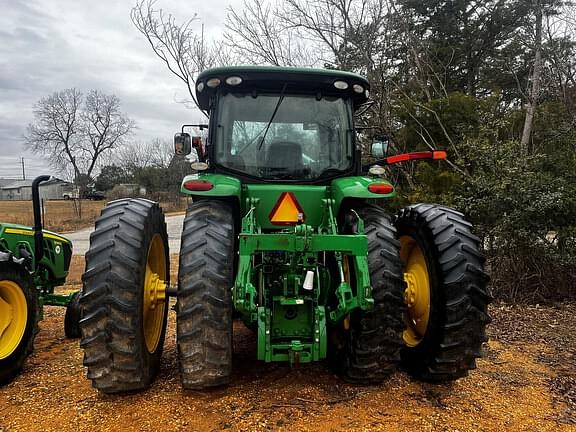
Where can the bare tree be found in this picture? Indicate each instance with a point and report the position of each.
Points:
(560, 50)
(257, 35)
(343, 34)
(133, 156)
(536, 74)
(182, 47)
(104, 127)
(74, 133)
(56, 128)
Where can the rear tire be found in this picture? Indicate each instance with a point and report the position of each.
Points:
(442, 344)
(17, 294)
(123, 300)
(204, 308)
(72, 317)
(369, 351)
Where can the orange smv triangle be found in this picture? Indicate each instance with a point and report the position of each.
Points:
(287, 210)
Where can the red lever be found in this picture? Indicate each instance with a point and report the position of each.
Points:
(437, 154)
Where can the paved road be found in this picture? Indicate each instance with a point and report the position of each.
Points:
(81, 239)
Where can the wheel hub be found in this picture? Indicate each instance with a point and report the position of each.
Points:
(5, 316)
(417, 292)
(411, 290)
(154, 293)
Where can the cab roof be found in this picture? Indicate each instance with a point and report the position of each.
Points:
(271, 79)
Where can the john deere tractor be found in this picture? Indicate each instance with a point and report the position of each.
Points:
(281, 235)
(33, 262)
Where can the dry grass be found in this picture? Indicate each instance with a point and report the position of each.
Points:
(61, 216)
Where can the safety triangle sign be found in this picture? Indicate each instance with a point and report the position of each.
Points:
(287, 210)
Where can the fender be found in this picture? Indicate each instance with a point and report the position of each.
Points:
(211, 185)
(357, 187)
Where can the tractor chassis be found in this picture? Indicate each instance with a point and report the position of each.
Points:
(291, 321)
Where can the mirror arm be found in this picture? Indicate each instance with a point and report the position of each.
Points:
(200, 152)
(199, 126)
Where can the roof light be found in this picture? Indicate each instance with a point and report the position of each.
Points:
(381, 188)
(358, 88)
(213, 82)
(198, 185)
(377, 170)
(200, 87)
(233, 80)
(341, 85)
(199, 166)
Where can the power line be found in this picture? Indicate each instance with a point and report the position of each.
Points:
(20, 167)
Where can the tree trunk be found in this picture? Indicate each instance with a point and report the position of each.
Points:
(533, 96)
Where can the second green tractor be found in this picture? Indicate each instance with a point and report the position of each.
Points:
(33, 262)
(283, 234)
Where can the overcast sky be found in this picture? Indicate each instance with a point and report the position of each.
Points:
(50, 45)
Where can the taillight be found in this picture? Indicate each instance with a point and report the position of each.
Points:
(381, 188)
(198, 185)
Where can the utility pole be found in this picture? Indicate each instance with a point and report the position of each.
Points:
(23, 170)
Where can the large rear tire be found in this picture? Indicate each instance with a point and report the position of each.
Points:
(18, 318)
(123, 299)
(367, 347)
(446, 292)
(204, 308)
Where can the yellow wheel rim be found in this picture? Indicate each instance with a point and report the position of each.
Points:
(417, 293)
(154, 293)
(13, 317)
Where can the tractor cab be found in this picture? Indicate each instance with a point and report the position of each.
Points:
(272, 124)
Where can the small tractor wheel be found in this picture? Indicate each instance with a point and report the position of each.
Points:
(18, 318)
(446, 292)
(204, 308)
(123, 301)
(368, 344)
(72, 317)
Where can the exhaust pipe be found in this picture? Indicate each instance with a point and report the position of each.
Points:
(38, 237)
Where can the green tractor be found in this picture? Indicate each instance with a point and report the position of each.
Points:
(33, 262)
(281, 235)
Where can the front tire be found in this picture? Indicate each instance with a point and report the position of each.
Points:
(446, 292)
(369, 350)
(124, 299)
(18, 318)
(204, 308)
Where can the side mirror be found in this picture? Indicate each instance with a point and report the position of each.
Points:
(379, 149)
(182, 144)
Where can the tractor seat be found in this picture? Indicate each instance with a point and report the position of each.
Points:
(284, 157)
